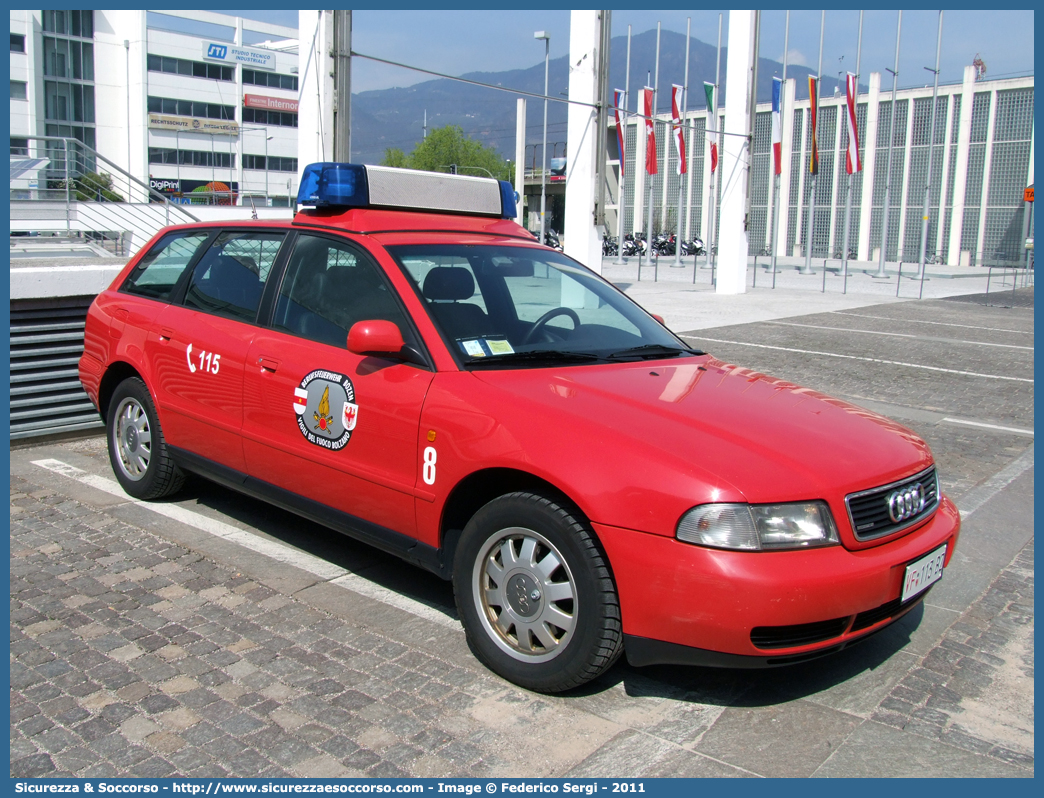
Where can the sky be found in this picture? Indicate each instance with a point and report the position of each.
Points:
(457, 42)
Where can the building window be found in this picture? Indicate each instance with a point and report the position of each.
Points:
(17, 43)
(168, 105)
(255, 77)
(260, 117)
(19, 146)
(275, 164)
(193, 69)
(18, 90)
(207, 158)
(69, 23)
(65, 58)
(84, 134)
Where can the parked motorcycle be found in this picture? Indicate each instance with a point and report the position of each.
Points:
(664, 244)
(694, 247)
(634, 244)
(609, 244)
(551, 239)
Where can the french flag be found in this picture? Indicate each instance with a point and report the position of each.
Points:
(777, 125)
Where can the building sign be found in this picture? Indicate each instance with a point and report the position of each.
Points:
(233, 54)
(194, 124)
(196, 192)
(269, 103)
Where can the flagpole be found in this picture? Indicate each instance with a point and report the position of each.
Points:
(623, 201)
(881, 274)
(712, 227)
(656, 91)
(851, 177)
(681, 152)
(931, 149)
(814, 104)
(782, 89)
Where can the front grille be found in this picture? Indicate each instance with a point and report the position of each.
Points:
(887, 610)
(802, 634)
(868, 510)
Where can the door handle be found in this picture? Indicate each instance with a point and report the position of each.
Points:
(165, 334)
(268, 364)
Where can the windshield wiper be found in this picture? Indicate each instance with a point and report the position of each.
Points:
(546, 355)
(649, 351)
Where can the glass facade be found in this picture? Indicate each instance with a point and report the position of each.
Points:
(68, 64)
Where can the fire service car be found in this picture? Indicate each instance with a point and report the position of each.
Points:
(404, 363)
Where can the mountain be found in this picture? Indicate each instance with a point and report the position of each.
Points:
(394, 117)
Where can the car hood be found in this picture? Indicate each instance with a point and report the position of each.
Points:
(768, 439)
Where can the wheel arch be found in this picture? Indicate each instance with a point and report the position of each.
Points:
(481, 487)
(116, 373)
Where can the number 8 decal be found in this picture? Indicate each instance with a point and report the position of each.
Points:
(430, 456)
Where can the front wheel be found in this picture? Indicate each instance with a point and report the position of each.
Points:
(137, 450)
(535, 594)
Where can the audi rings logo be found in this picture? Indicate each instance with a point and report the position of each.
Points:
(905, 503)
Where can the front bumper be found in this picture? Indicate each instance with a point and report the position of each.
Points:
(693, 605)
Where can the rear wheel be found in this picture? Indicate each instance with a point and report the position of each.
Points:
(534, 591)
(137, 450)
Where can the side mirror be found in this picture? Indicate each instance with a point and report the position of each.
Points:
(376, 337)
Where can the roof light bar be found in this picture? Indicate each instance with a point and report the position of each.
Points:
(358, 186)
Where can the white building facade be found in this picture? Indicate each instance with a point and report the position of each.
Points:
(202, 106)
(982, 162)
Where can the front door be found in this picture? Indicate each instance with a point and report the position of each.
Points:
(324, 423)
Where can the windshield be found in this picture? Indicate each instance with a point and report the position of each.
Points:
(525, 307)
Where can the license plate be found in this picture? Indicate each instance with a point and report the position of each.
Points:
(923, 572)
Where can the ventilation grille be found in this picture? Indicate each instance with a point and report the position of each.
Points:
(46, 344)
(868, 510)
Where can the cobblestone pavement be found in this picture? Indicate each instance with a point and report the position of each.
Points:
(142, 646)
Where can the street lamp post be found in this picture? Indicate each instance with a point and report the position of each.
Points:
(543, 34)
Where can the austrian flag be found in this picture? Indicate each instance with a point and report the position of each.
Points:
(676, 127)
(650, 134)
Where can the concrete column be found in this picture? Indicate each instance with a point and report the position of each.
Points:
(945, 175)
(839, 174)
(315, 139)
(520, 155)
(786, 155)
(735, 161)
(806, 120)
(904, 196)
(960, 174)
(987, 163)
(866, 200)
(639, 177)
(583, 240)
(705, 185)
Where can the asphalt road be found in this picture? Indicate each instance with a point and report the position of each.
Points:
(214, 635)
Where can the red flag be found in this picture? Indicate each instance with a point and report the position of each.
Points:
(619, 128)
(852, 161)
(777, 125)
(650, 146)
(676, 126)
(813, 93)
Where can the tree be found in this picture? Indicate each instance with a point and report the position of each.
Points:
(448, 147)
(96, 186)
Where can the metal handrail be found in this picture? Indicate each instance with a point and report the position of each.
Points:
(131, 178)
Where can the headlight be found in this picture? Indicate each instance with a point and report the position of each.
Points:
(754, 527)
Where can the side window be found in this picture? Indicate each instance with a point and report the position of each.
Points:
(327, 288)
(229, 278)
(158, 271)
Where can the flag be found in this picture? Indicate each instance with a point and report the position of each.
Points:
(650, 146)
(813, 94)
(712, 123)
(852, 162)
(676, 126)
(619, 128)
(777, 125)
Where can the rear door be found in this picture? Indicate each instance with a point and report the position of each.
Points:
(198, 346)
(337, 428)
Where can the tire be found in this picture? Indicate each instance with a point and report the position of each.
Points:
(550, 620)
(137, 450)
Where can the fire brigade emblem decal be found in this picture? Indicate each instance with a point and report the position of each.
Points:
(326, 411)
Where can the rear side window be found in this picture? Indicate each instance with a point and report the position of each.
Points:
(157, 273)
(229, 278)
